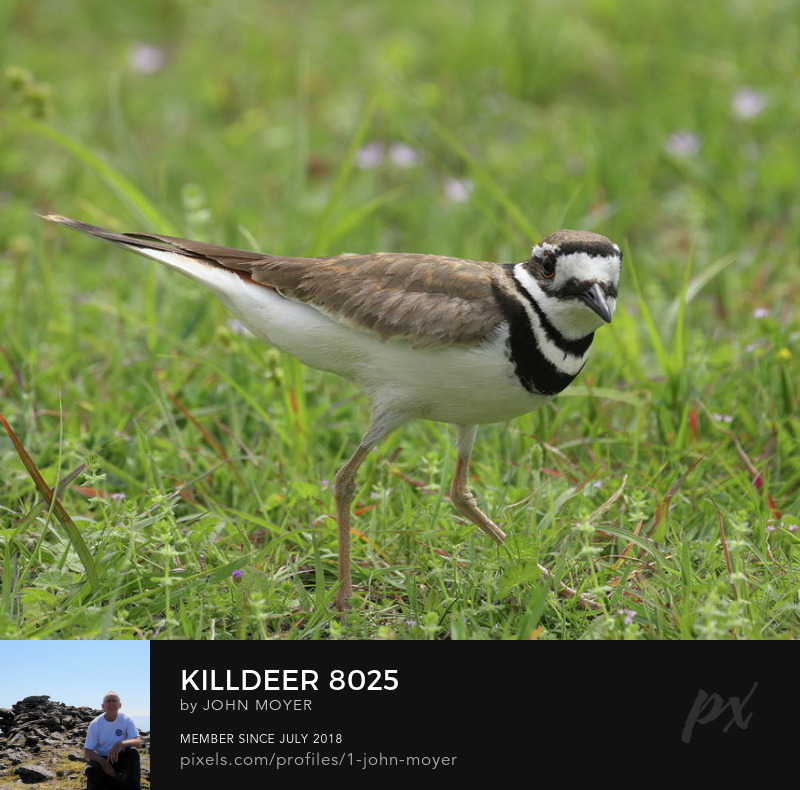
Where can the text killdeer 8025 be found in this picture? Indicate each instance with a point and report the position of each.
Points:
(424, 336)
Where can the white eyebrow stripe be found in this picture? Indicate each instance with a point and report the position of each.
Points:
(580, 266)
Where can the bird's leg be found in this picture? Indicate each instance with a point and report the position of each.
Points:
(384, 421)
(460, 495)
(344, 488)
(466, 505)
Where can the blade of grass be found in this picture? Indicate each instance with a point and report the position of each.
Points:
(40, 506)
(697, 284)
(642, 542)
(213, 443)
(650, 324)
(58, 509)
(354, 217)
(728, 564)
(247, 396)
(679, 330)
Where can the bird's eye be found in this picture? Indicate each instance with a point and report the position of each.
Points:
(548, 265)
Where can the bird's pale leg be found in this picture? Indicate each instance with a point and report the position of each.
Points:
(343, 494)
(384, 421)
(466, 505)
(460, 494)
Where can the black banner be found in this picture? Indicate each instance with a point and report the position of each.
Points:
(255, 711)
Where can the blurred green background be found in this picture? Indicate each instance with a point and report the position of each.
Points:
(630, 117)
(464, 128)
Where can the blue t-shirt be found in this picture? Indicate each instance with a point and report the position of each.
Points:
(102, 734)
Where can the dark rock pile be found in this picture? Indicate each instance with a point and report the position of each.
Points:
(41, 742)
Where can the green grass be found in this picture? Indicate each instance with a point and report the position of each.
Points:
(665, 484)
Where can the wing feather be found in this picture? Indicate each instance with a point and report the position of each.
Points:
(427, 300)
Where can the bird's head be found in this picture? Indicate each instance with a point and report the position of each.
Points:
(574, 275)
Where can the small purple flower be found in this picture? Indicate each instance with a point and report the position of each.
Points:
(369, 157)
(403, 155)
(682, 144)
(747, 103)
(770, 528)
(458, 190)
(761, 312)
(792, 527)
(237, 327)
(146, 59)
(236, 575)
(629, 614)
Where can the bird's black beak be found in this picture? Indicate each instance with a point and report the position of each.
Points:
(596, 299)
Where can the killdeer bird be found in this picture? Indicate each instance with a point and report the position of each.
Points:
(423, 336)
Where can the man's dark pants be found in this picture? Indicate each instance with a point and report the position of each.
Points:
(126, 769)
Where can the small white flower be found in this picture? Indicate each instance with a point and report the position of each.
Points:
(369, 157)
(747, 103)
(761, 312)
(146, 59)
(403, 155)
(458, 190)
(682, 144)
(722, 418)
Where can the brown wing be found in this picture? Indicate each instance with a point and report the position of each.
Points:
(427, 300)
